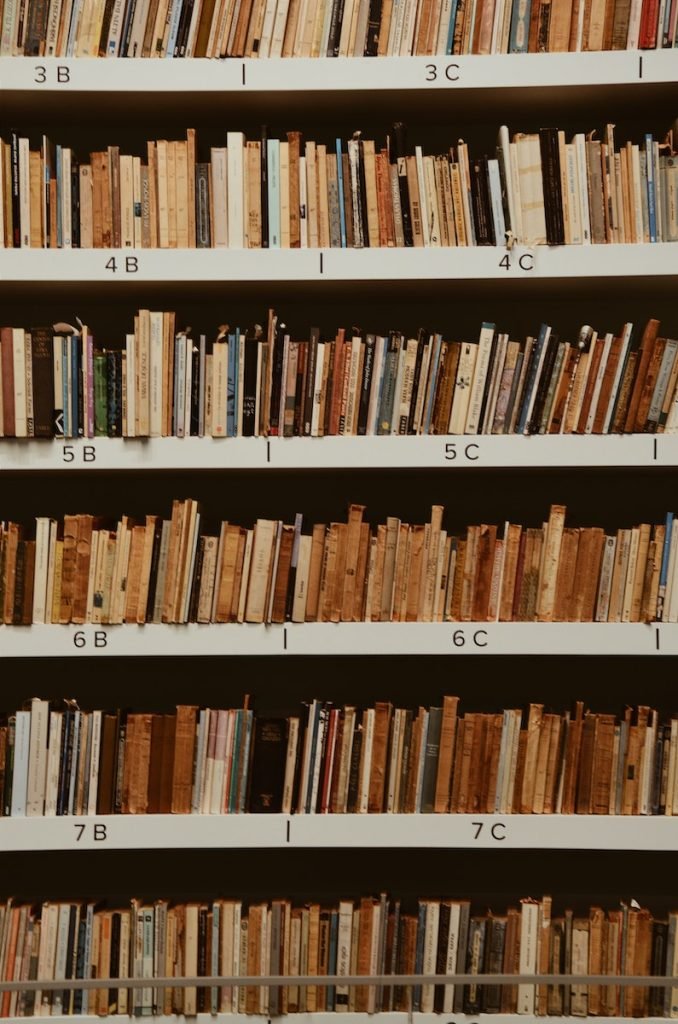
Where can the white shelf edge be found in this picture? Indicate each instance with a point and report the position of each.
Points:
(341, 75)
(439, 451)
(348, 638)
(361, 1018)
(87, 266)
(341, 831)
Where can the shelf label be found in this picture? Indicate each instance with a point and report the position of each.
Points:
(455, 452)
(523, 262)
(97, 831)
(498, 831)
(442, 73)
(87, 453)
(123, 264)
(90, 638)
(471, 638)
(57, 74)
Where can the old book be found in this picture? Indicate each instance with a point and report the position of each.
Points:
(184, 746)
(268, 766)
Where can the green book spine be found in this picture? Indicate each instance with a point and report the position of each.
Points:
(100, 397)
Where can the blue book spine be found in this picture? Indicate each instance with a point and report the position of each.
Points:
(449, 45)
(340, 190)
(649, 172)
(215, 965)
(230, 394)
(174, 28)
(314, 725)
(532, 377)
(664, 571)
(437, 341)
(273, 149)
(237, 740)
(332, 965)
(419, 956)
(520, 26)
(65, 374)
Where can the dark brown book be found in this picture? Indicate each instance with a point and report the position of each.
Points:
(26, 610)
(184, 746)
(167, 763)
(282, 574)
(137, 764)
(155, 768)
(646, 349)
(624, 396)
(69, 568)
(445, 389)
(382, 723)
(83, 553)
(107, 764)
(7, 357)
(487, 539)
(204, 25)
(603, 757)
(19, 583)
(607, 383)
(595, 357)
(114, 188)
(585, 782)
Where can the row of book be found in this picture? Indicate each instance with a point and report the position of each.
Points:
(82, 571)
(329, 28)
(370, 936)
(56, 382)
(58, 760)
(535, 189)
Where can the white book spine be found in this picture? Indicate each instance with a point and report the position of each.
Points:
(236, 190)
(21, 757)
(24, 194)
(93, 767)
(529, 921)
(53, 763)
(582, 190)
(37, 757)
(42, 530)
(598, 384)
(472, 425)
(130, 359)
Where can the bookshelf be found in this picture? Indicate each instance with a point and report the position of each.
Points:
(612, 662)
(341, 831)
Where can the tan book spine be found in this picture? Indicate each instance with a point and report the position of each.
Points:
(315, 568)
(534, 729)
(322, 199)
(371, 198)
